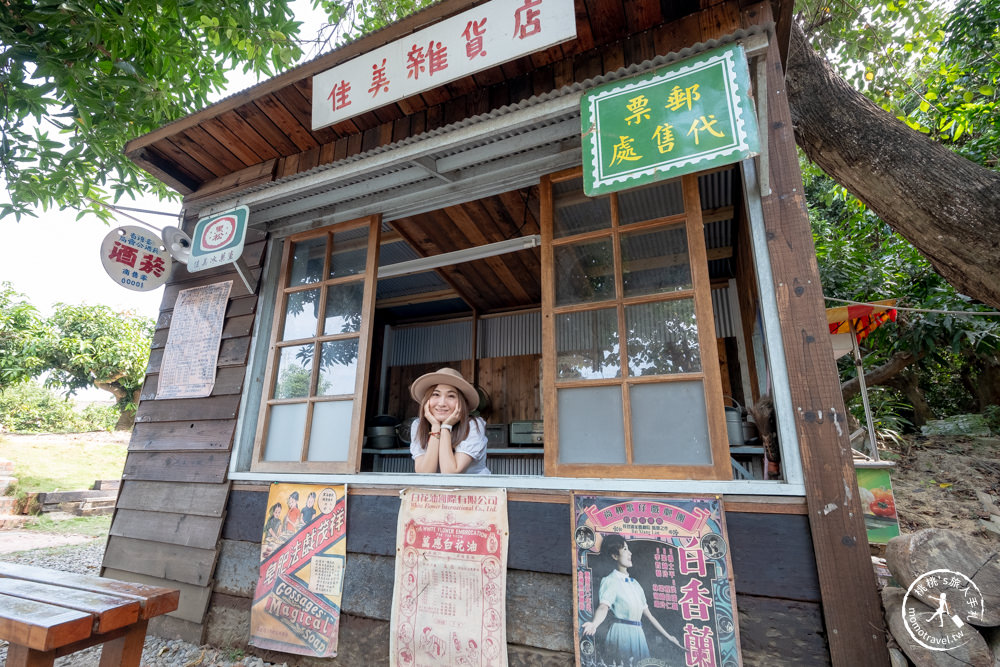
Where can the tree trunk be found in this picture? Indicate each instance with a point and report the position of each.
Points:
(942, 203)
(909, 384)
(126, 418)
(879, 375)
(985, 388)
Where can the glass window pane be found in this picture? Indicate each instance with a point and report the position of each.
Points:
(330, 436)
(655, 261)
(587, 345)
(284, 432)
(301, 315)
(350, 250)
(669, 425)
(591, 425)
(294, 372)
(307, 261)
(584, 272)
(662, 338)
(338, 367)
(652, 202)
(574, 212)
(343, 308)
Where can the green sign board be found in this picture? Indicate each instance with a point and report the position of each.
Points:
(686, 117)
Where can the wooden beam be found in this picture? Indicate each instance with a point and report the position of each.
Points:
(164, 170)
(851, 607)
(412, 299)
(443, 275)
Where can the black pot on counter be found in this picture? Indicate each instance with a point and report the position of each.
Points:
(381, 432)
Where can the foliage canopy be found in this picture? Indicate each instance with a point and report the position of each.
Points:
(81, 77)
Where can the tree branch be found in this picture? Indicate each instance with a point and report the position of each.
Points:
(879, 375)
(942, 203)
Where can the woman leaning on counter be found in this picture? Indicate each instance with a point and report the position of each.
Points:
(445, 438)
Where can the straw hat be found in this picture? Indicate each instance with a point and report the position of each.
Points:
(448, 376)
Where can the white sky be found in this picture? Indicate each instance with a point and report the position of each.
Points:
(55, 258)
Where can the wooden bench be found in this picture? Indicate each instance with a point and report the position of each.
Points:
(46, 614)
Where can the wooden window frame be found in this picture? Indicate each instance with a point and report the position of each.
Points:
(369, 280)
(700, 292)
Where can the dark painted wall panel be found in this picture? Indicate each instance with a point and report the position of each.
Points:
(772, 553)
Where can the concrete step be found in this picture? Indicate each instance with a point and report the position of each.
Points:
(107, 484)
(6, 483)
(8, 505)
(93, 508)
(53, 497)
(12, 521)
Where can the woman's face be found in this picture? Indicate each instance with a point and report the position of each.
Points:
(276, 512)
(443, 401)
(625, 557)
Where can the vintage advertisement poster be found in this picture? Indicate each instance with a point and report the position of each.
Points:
(878, 505)
(653, 584)
(449, 597)
(296, 607)
(192, 350)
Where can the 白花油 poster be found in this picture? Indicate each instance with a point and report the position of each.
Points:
(451, 578)
(653, 583)
(296, 607)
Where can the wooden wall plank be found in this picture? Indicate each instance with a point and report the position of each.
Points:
(228, 381)
(232, 352)
(235, 325)
(247, 511)
(202, 435)
(851, 607)
(201, 532)
(165, 561)
(174, 497)
(177, 409)
(194, 599)
(205, 467)
(782, 633)
(208, 277)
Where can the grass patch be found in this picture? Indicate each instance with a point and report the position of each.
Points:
(92, 526)
(62, 462)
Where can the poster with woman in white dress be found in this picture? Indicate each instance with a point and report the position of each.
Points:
(653, 583)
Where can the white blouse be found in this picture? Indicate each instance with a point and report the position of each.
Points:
(474, 445)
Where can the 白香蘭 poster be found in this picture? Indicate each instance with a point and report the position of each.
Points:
(653, 584)
(296, 607)
(451, 577)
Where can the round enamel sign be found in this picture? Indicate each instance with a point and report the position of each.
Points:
(135, 258)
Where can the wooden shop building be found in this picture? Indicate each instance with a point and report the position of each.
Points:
(450, 227)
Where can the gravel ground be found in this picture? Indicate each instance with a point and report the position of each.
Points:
(159, 651)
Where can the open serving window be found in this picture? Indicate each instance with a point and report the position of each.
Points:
(613, 336)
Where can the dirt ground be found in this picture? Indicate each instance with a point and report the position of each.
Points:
(26, 540)
(94, 437)
(935, 480)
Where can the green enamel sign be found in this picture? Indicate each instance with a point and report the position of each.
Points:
(686, 117)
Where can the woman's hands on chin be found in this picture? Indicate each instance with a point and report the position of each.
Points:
(454, 416)
(435, 424)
